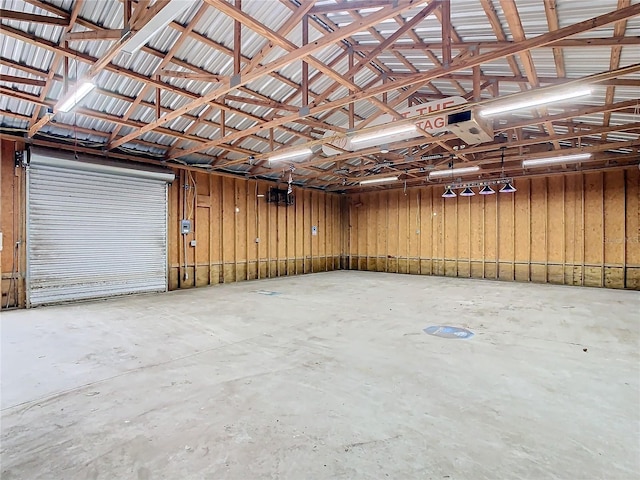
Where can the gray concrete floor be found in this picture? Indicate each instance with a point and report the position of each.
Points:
(331, 377)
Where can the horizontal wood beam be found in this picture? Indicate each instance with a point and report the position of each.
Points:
(565, 43)
(22, 80)
(206, 77)
(31, 17)
(274, 65)
(94, 35)
(534, 42)
(628, 82)
(261, 103)
(347, 6)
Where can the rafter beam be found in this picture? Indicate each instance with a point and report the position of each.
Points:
(31, 17)
(22, 80)
(35, 125)
(93, 35)
(352, 5)
(468, 62)
(297, 54)
(565, 43)
(614, 62)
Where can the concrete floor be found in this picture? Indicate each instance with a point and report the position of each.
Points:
(329, 377)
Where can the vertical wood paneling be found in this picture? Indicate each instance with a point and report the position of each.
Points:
(577, 229)
(554, 226)
(231, 214)
(632, 229)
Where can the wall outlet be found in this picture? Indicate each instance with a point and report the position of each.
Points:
(257, 240)
(192, 243)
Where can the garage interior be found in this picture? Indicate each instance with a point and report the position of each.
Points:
(416, 225)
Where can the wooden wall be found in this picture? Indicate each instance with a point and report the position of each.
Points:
(228, 218)
(11, 258)
(579, 229)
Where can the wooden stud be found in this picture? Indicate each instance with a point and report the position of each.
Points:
(446, 32)
(305, 65)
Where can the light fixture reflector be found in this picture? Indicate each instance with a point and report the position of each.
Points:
(541, 162)
(82, 91)
(378, 180)
(486, 190)
(448, 193)
(534, 101)
(453, 172)
(508, 188)
(290, 154)
(467, 192)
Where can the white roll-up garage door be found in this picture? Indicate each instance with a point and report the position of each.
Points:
(93, 230)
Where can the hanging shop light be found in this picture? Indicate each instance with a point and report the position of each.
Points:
(559, 159)
(453, 172)
(160, 20)
(508, 188)
(448, 193)
(486, 190)
(82, 91)
(378, 180)
(534, 101)
(383, 133)
(467, 192)
(291, 154)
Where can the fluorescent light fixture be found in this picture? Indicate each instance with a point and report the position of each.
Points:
(378, 180)
(161, 19)
(80, 92)
(452, 172)
(535, 101)
(467, 192)
(541, 162)
(486, 190)
(448, 193)
(387, 132)
(289, 154)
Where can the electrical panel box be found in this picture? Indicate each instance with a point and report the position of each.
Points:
(185, 226)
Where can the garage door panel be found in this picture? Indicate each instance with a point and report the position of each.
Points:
(94, 234)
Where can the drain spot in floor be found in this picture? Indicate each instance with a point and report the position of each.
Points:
(267, 292)
(448, 332)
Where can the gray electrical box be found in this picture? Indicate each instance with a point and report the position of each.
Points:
(185, 226)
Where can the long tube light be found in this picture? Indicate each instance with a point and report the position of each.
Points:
(81, 92)
(535, 101)
(540, 162)
(160, 20)
(387, 132)
(289, 154)
(452, 172)
(378, 180)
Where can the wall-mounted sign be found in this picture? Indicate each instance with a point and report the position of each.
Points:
(432, 124)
